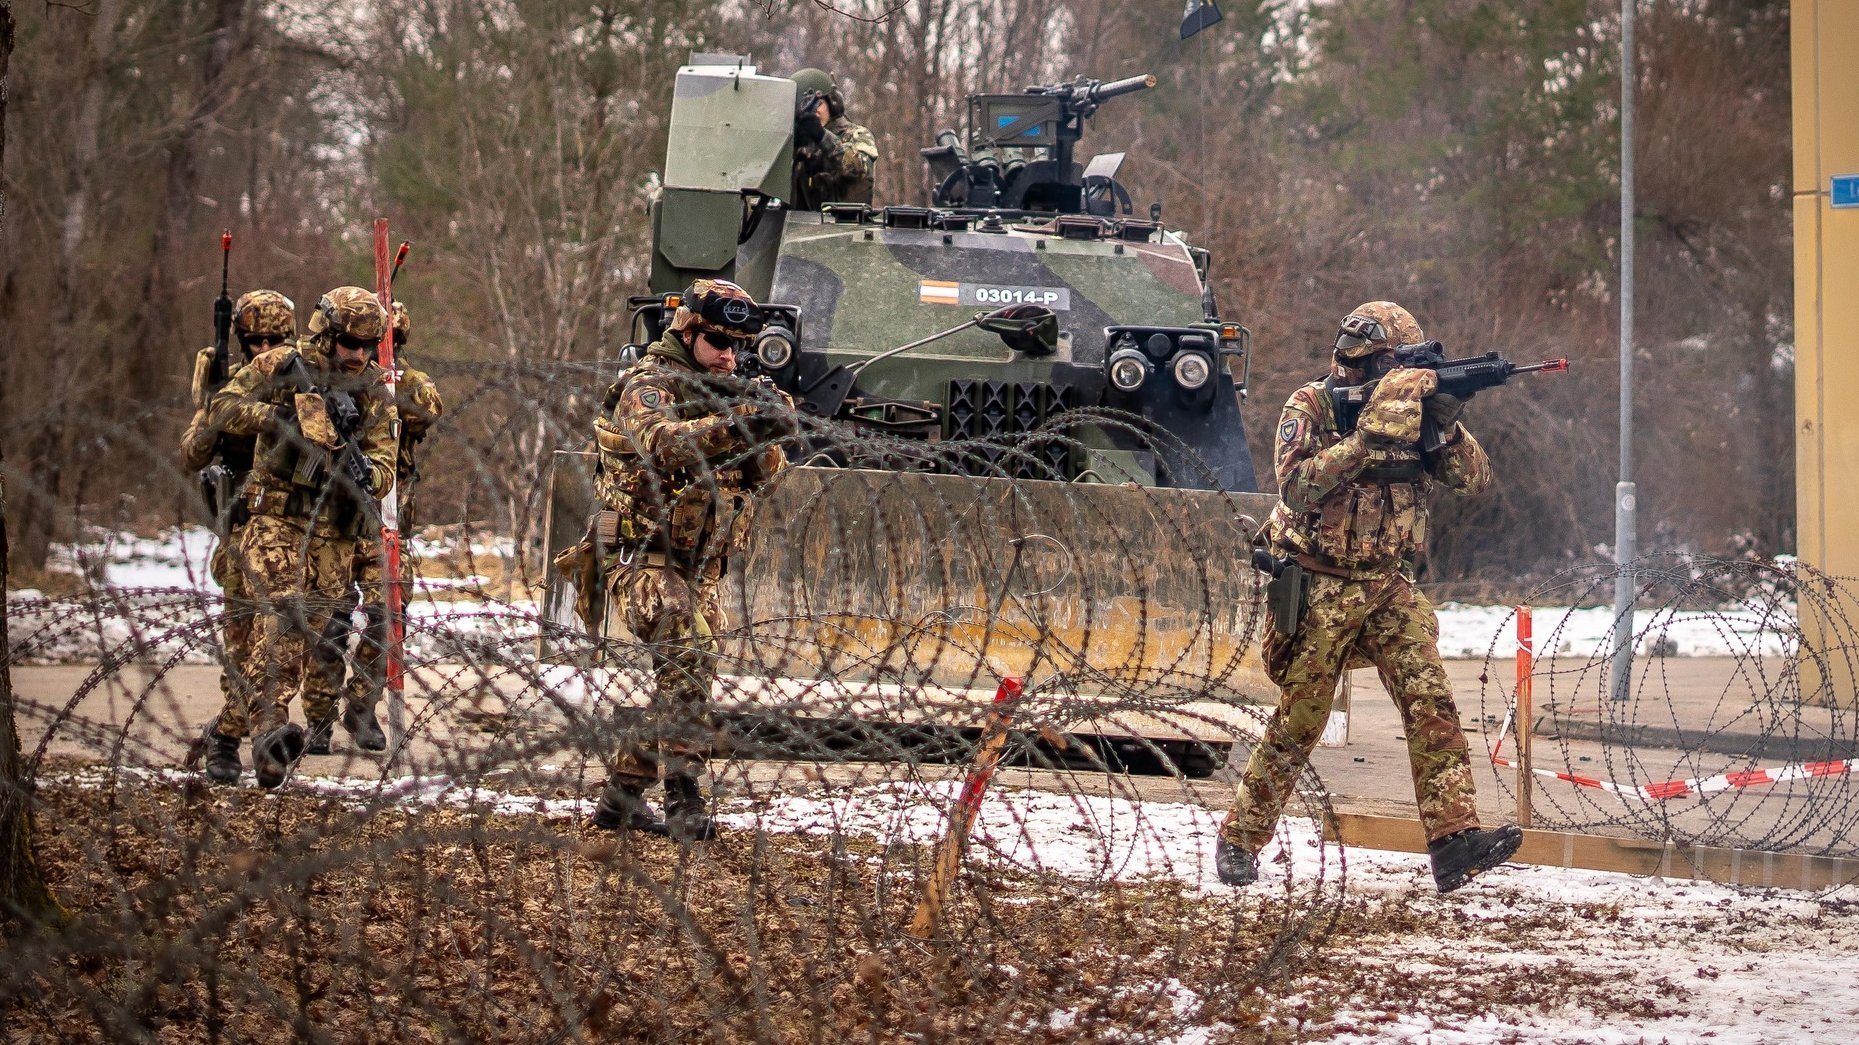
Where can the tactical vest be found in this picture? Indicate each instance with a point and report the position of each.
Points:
(1374, 522)
(295, 480)
(686, 514)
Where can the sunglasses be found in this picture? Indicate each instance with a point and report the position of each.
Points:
(354, 343)
(264, 339)
(1357, 331)
(725, 343)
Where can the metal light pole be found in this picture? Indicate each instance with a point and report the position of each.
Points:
(1625, 495)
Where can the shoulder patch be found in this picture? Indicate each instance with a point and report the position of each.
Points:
(648, 398)
(1291, 429)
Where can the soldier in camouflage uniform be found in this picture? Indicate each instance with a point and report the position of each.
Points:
(307, 513)
(834, 158)
(261, 320)
(417, 403)
(684, 448)
(1353, 516)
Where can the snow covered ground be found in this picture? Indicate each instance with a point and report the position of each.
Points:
(177, 560)
(1725, 966)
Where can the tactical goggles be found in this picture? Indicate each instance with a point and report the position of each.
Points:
(352, 343)
(1357, 331)
(264, 340)
(739, 315)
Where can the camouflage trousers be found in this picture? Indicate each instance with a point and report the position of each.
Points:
(236, 628)
(299, 579)
(1391, 624)
(676, 613)
(360, 682)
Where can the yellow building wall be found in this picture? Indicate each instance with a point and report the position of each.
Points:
(1826, 313)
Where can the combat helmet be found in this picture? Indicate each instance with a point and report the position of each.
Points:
(1375, 327)
(720, 307)
(820, 82)
(349, 311)
(264, 313)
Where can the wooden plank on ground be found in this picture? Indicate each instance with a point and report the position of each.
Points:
(1747, 867)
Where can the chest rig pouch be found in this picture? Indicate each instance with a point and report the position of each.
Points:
(1378, 516)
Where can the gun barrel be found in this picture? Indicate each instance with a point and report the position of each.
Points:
(1127, 85)
(1547, 366)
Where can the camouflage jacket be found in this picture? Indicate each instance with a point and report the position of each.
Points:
(837, 170)
(675, 463)
(290, 476)
(200, 443)
(1356, 508)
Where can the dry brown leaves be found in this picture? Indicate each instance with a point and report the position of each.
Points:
(233, 915)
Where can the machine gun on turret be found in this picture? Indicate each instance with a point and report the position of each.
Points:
(1019, 154)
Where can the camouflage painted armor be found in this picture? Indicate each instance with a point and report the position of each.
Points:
(676, 466)
(297, 552)
(837, 170)
(1353, 511)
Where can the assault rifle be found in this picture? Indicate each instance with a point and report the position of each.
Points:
(345, 416)
(1460, 378)
(216, 479)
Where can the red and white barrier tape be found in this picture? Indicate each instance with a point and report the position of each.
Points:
(1680, 788)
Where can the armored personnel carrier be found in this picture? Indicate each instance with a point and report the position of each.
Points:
(1024, 450)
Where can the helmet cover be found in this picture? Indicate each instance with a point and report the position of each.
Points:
(720, 307)
(349, 311)
(1375, 327)
(264, 313)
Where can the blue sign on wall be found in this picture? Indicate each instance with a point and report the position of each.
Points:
(1846, 190)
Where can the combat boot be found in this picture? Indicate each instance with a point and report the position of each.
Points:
(685, 818)
(316, 742)
(364, 728)
(1235, 864)
(1458, 858)
(624, 809)
(222, 755)
(274, 753)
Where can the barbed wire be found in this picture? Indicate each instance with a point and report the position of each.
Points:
(450, 887)
(1754, 754)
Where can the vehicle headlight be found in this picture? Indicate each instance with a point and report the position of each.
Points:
(1192, 369)
(775, 349)
(1128, 369)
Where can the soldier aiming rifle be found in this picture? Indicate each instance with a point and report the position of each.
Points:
(1358, 453)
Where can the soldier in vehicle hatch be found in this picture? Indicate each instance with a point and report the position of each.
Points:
(684, 449)
(1351, 520)
(834, 158)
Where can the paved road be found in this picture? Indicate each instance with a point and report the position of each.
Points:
(1729, 707)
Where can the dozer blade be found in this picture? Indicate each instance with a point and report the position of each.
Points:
(878, 605)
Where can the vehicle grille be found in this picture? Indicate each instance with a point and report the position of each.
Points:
(1005, 412)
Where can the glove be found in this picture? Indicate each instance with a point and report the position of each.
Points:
(808, 130)
(313, 421)
(1444, 410)
(1393, 411)
(764, 423)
